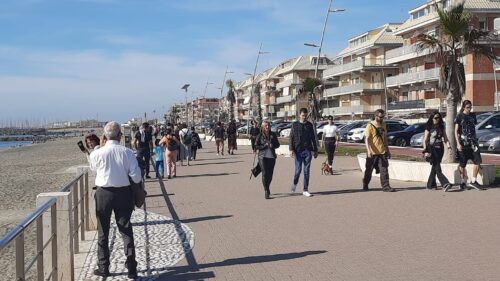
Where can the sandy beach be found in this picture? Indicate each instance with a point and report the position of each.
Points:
(28, 171)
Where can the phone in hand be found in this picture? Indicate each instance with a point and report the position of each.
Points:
(82, 148)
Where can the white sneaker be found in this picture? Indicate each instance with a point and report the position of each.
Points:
(307, 194)
(217, 154)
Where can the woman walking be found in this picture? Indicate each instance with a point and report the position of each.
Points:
(266, 143)
(434, 140)
(196, 144)
(231, 137)
(330, 140)
(171, 143)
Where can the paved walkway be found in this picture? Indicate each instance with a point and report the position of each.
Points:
(341, 233)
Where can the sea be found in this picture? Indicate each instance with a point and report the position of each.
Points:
(10, 144)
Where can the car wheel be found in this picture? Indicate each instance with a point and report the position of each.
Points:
(403, 143)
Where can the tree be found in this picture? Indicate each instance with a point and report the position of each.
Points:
(231, 98)
(456, 39)
(311, 87)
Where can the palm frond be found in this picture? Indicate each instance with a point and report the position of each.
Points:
(477, 42)
(454, 21)
(230, 84)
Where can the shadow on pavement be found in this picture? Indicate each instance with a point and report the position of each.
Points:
(158, 195)
(217, 163)
(207, 175)
(191, 220)
(178, 272)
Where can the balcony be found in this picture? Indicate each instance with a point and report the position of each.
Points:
(404, 53)
(353, 66)
(434, 104)
(414, 77)
(348, 110)
(288, 83)
(281, 114)
(284, 99)
(354, 88)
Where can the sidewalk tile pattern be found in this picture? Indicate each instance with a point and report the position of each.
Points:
(160, 243)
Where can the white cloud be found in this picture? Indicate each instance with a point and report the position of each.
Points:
(74, 85)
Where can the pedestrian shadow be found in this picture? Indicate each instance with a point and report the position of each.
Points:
(177, 273)
(191, 220)
(207, 175)
(217, 163)
(158, 195)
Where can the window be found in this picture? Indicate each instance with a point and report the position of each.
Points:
(482, 24)
(404, 96)
(494, 122)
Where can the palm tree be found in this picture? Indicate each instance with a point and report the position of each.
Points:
(231, 98)
(457, 38)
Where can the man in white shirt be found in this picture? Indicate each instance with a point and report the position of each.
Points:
(329, 140)
(114, 164)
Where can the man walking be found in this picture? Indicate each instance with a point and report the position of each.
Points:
(377, 151)
(302, 146)
(114, 164)
(143, 143)
(219, 133)
(467, 144)
(186, 140)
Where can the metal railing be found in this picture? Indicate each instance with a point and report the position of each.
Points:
(410, 104)
(78, 189)
(353, 66)
(353, 88)
(413, 77)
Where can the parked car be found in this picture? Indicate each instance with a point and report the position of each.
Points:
(243, 130)
(285, 133)
(402, 138)
(277, 126)
(489, 140)
(345, 129)
(417, 140)
(358, 134)
(281, 128)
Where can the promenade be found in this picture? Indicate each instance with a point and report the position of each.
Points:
(217, 225)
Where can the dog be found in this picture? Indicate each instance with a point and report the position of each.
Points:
(325, 169)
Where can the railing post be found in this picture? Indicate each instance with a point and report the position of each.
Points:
(53, 228)
(74, 233)
(62, 250)
(39, 248)
(82, 209)
(87, 198)
(20, 257)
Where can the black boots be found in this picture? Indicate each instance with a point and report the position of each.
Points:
(268, 193)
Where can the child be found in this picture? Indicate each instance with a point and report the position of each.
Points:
(159, 167)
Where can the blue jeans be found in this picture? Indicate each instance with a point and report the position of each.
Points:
(302, 157)
(159, 168)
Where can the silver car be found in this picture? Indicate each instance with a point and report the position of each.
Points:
(417, 140)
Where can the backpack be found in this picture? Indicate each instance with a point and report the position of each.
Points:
(188, 138)
(172, 145)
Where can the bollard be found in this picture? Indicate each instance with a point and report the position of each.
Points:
(64, 228)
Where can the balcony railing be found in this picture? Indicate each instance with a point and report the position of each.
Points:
(280, 114)
(352, 66)
(410, 104)
(414, 77)
(347, 110)
(288, 83)
(284, 99)
(354, 88)
(404, 53)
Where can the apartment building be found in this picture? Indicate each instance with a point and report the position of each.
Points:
(415, 86)
(289, 97)
(243, 99)
(360, 73)
(204, 110)
(267, 81)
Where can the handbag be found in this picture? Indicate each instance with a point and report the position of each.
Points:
(138, 193)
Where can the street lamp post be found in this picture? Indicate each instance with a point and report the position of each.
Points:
(222, 88)
(330, 10)
(253, 82)
(185, 88)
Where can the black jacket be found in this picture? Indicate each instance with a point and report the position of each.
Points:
(302, 137)
(261, 143)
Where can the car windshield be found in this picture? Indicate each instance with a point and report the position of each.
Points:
(412, 127)
(481, 117)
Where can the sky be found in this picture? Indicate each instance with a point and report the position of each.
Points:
(67, 60)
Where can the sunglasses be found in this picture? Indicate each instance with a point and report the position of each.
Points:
(381, 117)
(437, 118)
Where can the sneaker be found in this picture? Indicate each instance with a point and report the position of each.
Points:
(169, 176)
(365, 187)
(217, 154)
(101, 272)
(293, 187)
(148, 177)
(475, 185)
(388, 189)
(306, 194)
(175, 176)
(446, 187)
(462, 186)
